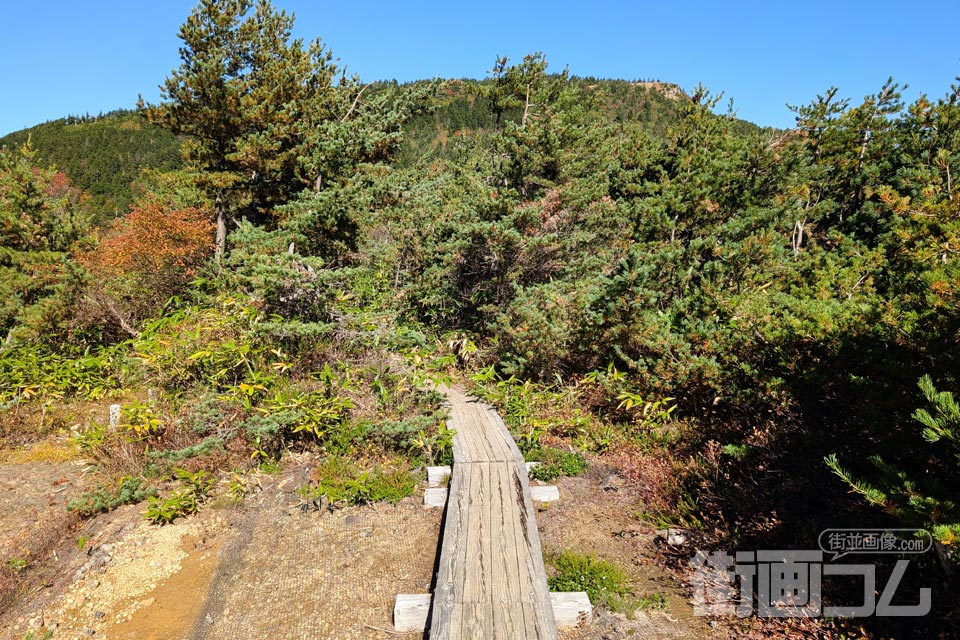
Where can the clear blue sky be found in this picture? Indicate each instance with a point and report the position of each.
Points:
(60, 57)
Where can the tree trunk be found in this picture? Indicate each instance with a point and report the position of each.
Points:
(221, 248)
(797, 239)
(949, 184)
(526, 109)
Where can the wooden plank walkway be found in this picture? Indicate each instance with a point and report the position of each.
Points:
(491, 581)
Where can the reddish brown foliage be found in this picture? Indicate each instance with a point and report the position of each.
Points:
(145, 258)
(153, 240)
(60, 186)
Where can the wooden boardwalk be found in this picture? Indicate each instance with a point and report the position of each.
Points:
(491, 581)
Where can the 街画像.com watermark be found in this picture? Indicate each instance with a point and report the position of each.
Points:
(788, 583)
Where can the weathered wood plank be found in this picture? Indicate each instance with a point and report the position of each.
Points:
(465, 433)
(476, 621)
(491, 522)
(491, 581)
(446, 589)
(476, 588)
(570, 609)
(536, 575)
(479, 445)
(497, 447)
(508, 622)
(510, 450)
(506, 574)
(460, 449)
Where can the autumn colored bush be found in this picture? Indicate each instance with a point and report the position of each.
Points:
(142, 260)
(153, 239)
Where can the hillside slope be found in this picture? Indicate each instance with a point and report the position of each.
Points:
(103, 155)
(462, 110)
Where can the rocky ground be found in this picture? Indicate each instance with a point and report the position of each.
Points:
(268, 568)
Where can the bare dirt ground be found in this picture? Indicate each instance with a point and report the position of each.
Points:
(34, 500)
(83, 590)
(315, 574)
(263, 569)
(35, 486)
(598, 521)
(268, 568)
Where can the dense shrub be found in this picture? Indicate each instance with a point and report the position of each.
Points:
(144, 258)
(103, 498)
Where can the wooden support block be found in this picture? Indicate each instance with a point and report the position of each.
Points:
(674, 537)
(436, 497)
(438, 476)
(410, 612)
(570, 608)
(545, 493)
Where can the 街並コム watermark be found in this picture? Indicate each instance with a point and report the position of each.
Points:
(788, 583)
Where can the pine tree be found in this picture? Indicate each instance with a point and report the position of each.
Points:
(240, 96)
(929, 500)
(42, 219)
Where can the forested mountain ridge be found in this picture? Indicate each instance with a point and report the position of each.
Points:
(103, 155)
(761, 328)
(461, 109)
